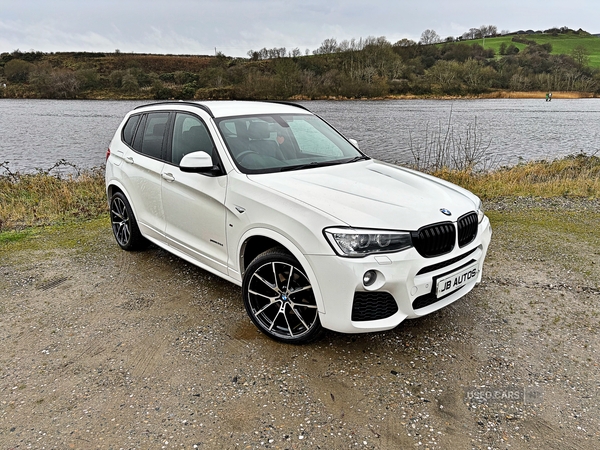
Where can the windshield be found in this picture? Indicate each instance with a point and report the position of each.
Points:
(273, 143)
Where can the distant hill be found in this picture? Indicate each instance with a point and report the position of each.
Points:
(558, 60)
(562, 44)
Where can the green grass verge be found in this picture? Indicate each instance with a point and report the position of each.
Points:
(562, 44)
(14, 236)
(552, 234)
(85, 235)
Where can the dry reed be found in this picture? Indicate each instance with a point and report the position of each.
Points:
(43, 198)
(572, 176)
(28, 200)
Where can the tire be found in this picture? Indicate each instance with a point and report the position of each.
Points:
(279, 298)
(124, 226)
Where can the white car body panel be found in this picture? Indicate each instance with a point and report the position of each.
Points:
(199, 232)
(362, 194)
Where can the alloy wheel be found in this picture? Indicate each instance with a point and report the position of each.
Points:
(280, 299)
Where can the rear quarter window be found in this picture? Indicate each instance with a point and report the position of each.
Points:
(129, 129)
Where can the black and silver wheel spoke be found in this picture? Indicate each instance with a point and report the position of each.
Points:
(295, 291)
(288, 323)
(271, 303)
(271, 299)
(122, 232)
(266, 283)
(280, 310)
(299, 317)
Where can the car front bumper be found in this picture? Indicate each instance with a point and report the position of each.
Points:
(405, 287)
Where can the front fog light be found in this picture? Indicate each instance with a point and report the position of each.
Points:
(369, 278)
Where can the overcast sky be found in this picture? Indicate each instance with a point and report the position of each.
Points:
(235, 26)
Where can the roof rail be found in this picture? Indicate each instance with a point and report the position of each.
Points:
(207, 109)
(181, 102)
(283, 102)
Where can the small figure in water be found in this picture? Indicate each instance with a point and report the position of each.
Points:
(547, 96)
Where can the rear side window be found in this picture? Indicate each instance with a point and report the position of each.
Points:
(150, 134)
(129, 129)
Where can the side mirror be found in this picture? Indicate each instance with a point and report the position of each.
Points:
(354, 142)
(199, 162)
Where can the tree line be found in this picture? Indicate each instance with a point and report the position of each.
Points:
(358, 68)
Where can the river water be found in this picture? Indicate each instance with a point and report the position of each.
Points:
(35, 134)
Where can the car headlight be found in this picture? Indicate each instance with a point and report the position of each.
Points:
(357, 242)
(480, 213)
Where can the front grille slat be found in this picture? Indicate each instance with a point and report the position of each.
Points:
(467, 228)
(434, 240)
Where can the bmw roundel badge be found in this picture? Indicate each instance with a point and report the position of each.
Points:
(445, 212)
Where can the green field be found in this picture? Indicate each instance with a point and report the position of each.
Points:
(562, 44)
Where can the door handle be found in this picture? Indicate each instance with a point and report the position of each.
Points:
(129, 159)
(168, 176)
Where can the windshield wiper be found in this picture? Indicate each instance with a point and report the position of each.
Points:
(323, 163)
(357, 158)
(311, 165)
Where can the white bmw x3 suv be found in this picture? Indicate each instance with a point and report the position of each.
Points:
(272, 198)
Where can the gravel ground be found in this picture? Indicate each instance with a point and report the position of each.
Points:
(101, 348)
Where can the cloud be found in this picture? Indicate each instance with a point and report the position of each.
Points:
(236, 26)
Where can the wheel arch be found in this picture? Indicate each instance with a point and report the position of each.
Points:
(259, 240)
(114, 187)
(111, 189)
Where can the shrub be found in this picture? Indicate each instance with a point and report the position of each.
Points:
(17, 70)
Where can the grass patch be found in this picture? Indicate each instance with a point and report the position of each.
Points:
(546, 224)
(84, 235)
(38, 199)
(14, 236)
(565, 44)
(565, 237)
(572, 176)
(562, 44)
(30, 201)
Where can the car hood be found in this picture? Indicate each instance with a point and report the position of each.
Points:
(372, 194)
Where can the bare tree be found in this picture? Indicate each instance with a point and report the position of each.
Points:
(327, 46)
(344, 46)
(473, 33)
(488, 30)
(429, 37)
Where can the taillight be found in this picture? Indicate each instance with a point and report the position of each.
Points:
(107, 153)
